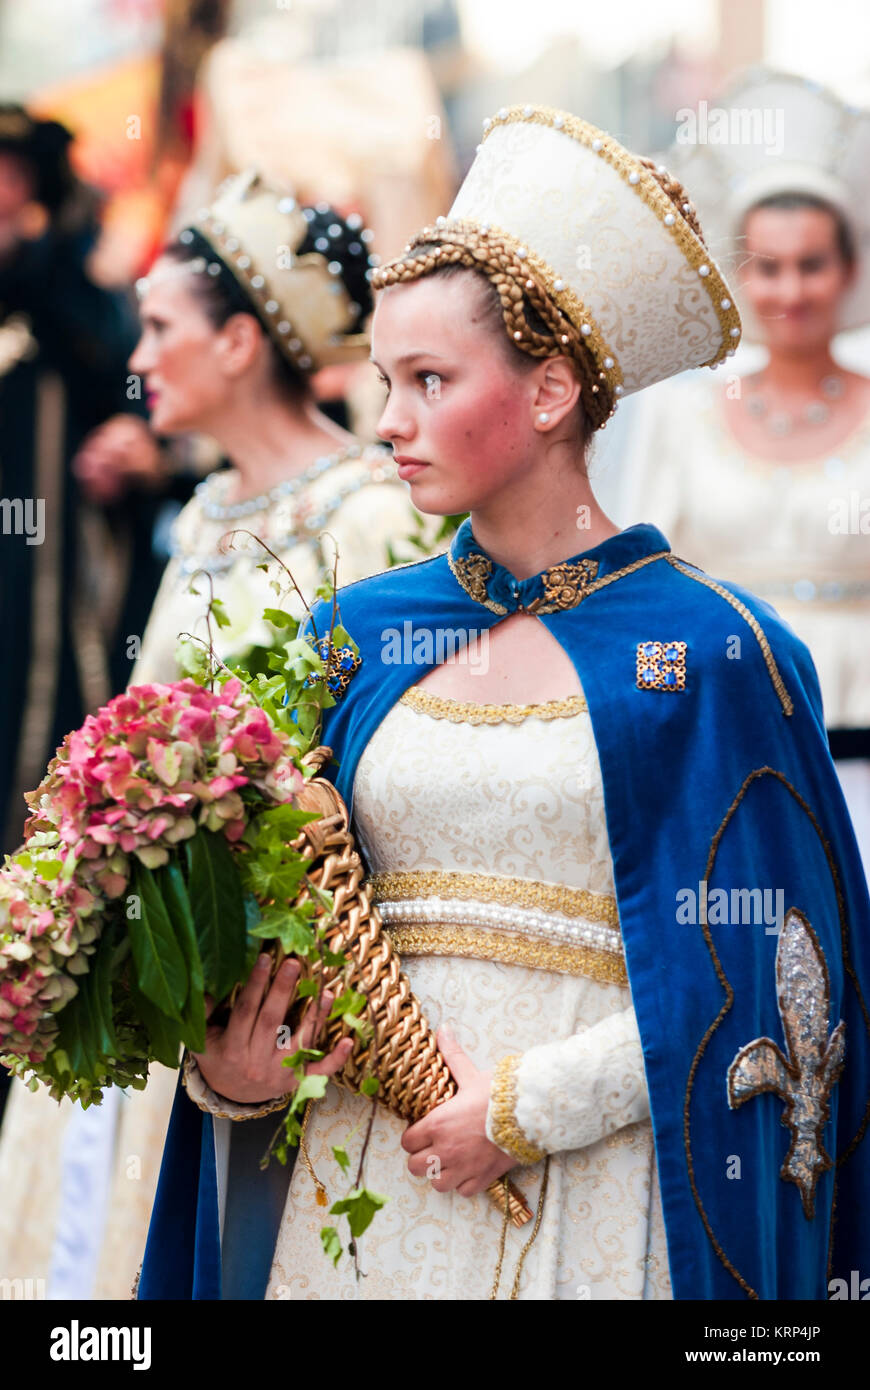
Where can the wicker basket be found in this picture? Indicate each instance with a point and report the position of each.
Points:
(402, 1052)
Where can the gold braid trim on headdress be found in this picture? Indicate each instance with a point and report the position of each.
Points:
(509, 266)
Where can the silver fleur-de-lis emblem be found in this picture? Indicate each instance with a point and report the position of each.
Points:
(805, 1077)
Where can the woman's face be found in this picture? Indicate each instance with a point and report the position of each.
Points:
(179, 355)
(456, 405)
(795, 276)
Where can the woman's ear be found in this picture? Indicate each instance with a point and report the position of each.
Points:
(556, 392)
(240, 340)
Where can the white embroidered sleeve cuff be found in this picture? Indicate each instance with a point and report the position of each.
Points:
(202, 1095)
(568, 1094)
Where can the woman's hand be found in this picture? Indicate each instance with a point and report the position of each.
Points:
(449, 1145)
(119, 454)
(243, 1062)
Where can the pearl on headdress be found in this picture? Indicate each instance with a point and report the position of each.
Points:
(305, 361)
(502, 113)
(218, 228)
(735, 332)
(321, 244)
(487, 123)
(608, 362)
(585, 329)
(597, 145)
(726, 303)
(366, 235)
(374, 260)
(257, 282)
(142, 286)
(528, 110)
(243, 262)
(185, 237)
(729, 352)
(354, 221)
(484, 226)
(334, 267)
(564, 340)
(272, 306)
(283, 326)
(595, 390)
(521, 253)
(558, 284)
(660, 169)
(530, 284)
(669, 219)
(355, 249)
(294, 345)
(232, 244)
(618, 390)
(687, 207)
(558, 122)
(703, 270)
(214, 268)
(321, 207)
(634, 177)
(517, 334)
(286, 204)
(334, 230)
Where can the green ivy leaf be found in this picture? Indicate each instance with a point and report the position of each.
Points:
(309, 1088)
(331, 1242)
(359, 1206)
(341, 1158)
(219, 612)
(369, 1086)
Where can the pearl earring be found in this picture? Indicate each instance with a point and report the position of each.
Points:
(543, 418)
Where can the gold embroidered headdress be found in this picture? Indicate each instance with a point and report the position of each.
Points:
(602, 245)
(300, 298)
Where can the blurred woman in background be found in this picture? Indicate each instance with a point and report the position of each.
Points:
(767, 481)
(238, 313)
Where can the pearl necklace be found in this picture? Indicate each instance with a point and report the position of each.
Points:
(781, 422)
(231, 511)
(304, 530)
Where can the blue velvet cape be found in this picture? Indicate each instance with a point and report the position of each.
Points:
(716, 770)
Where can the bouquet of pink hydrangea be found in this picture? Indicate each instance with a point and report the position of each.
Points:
(160, 827)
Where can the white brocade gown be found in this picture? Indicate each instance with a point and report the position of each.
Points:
(495, 815)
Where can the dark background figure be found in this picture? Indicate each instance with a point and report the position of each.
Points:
(77, 569)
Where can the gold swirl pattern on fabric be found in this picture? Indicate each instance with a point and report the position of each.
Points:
(493, 888)
(579, 590)
(642, 183)
(506, 1132)
(468, 712)
(473, 571)
(749, 618)
(803, 1077)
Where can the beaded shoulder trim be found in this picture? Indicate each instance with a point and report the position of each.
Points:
(469, 712)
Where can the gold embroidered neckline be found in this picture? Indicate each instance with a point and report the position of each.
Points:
(470, 712)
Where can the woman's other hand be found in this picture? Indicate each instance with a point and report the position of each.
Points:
(449, 1145)
(243, 1061)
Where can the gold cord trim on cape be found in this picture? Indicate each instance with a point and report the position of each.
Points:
(749, 618)
(479, 943)
(469, 712)
(644, 183)
(492, 888)
(506, 1131)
